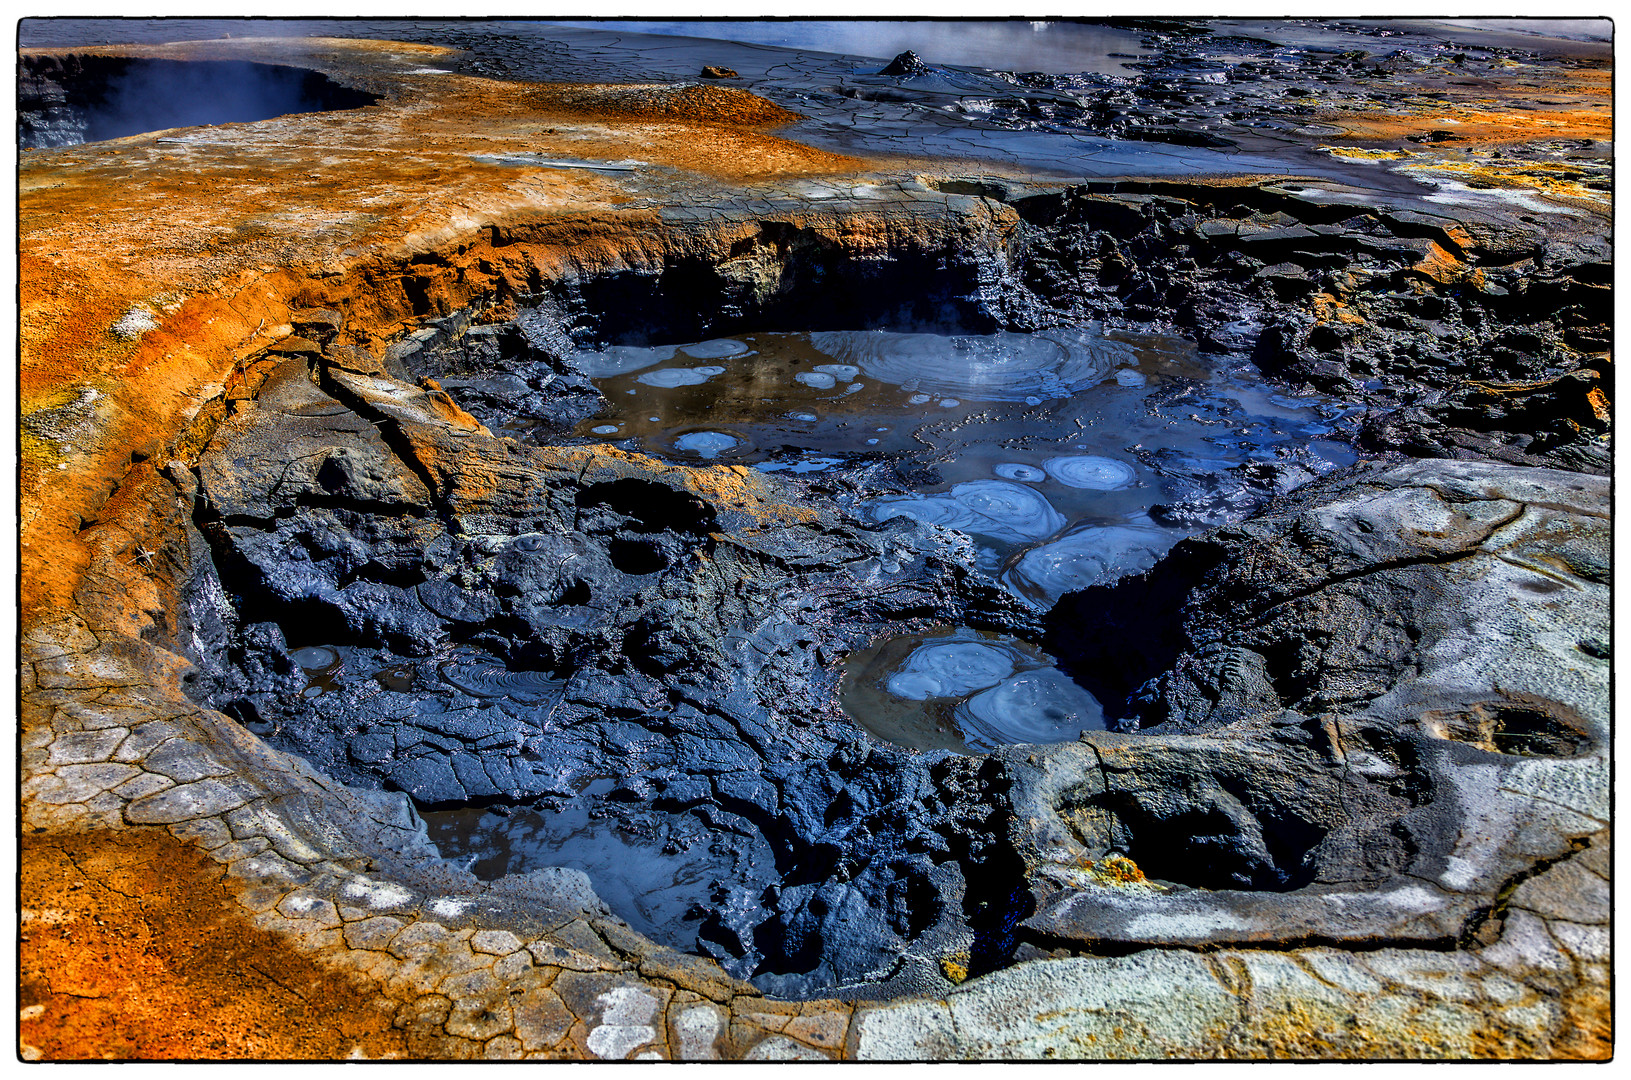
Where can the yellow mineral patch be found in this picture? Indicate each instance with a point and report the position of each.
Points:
(1117, 871)
(1359, 153)
(1328, 308)
(1556, 181)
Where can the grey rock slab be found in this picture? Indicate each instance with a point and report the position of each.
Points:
(80, 747)
(307, 455)
(205, 798)
(1579, 786)
(1403, 911)
(269, 867)
(695, 1031)
(495, 942)
(183, 761)
(1565, 891)
(373, 933)
(143, 785)
(78, 783)
(1443, 976)
(144, 738)
(66, 635)
(97, 716)
(1152, 1004)
(304, 906)
(781, 1048)
(1526, 949)
(555, 954)
(376, 895)
(1593, 944)
(86, 670)
(241, 849)
(542, 1020)
(905, 1031)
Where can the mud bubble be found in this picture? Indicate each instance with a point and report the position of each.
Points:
(964, 690)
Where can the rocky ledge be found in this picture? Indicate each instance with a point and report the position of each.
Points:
(1352, 799)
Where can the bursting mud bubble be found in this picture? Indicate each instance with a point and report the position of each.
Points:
(606, 545)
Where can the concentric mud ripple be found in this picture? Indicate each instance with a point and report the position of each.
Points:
(1038, 706)
(991, 508)
(950, 669)
(489, 680)
(669, 378)
(707, 444)
(718, 349)
(623, 359)
(1086, 471)
(1013, 470)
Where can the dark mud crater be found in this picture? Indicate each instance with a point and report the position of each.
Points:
(575, 654)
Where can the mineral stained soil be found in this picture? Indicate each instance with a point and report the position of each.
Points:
(564, 541)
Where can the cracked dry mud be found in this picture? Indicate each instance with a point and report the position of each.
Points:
(327, 568)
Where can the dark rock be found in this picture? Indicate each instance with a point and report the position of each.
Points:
(607, 590)
(905, 66)
(1559, 422)
(1331, 669)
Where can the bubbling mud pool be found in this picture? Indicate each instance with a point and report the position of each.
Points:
(1069, 458)
(543, 696)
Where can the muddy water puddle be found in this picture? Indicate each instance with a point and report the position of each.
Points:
(1070, 456)
(657, 872)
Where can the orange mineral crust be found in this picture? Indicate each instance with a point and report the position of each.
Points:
(1452, 124)
(127, 952)
(205, 238)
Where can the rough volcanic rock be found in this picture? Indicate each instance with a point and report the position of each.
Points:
(1471, 336)
(907, 65)
(1356, 697)
(1562, 421)
(540, 618)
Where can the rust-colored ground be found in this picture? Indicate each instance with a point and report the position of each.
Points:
(128, 951)
(214, 236)
(1460, 132)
